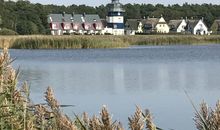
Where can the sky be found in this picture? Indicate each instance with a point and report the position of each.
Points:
(104, 2)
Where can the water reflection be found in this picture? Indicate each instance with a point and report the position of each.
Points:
(122, 78)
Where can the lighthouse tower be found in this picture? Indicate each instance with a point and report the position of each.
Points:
(115, 18)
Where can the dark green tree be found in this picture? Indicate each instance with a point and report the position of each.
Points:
(28, 18)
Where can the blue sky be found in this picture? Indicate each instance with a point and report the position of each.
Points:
(99, 2)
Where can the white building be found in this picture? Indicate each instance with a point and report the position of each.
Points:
(177, 26)
(115, 19)
(197, 27)
(75, 24)
(133, 26)
(155, 25)
(161, 26)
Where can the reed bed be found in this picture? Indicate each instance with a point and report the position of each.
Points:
(61, 42)
(17, 112)
(207, 118)
(101, 41)
(172, 39)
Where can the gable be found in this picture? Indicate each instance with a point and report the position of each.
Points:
(161, 20)
(175, 24)
(132, 24)
(201, 25)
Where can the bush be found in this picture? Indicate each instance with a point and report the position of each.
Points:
(6, 31)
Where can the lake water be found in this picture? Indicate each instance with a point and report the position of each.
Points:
(153, 77)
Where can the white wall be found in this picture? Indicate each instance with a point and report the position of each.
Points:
(118, 31)
(162, 28)
(115, 19)
(130, 32)
(140, 29)
(182, 26)
(200, 29)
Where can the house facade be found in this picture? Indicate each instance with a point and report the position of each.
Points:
(133, 26)
(177, 26)
(146, 26)
(155, 25)
(197, 27)
(74, 24)
(162, 26)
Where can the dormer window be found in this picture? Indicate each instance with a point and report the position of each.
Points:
(72, 19)
(83, 20)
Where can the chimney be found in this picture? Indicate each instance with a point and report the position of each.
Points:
(72, 17)
(73, 14)
(51, 20)
(202, 18)
(63, 14)
(84, 14)
(186, 19)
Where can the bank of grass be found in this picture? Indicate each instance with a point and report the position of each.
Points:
(172, 39)
(101, 41)
(62, 42)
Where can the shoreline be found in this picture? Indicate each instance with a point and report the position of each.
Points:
(102, 41)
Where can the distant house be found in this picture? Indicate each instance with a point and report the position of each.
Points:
(216, 27)
(197, 27)
(75, 24)
(162, 26)
(146, 26)
(55, 21)
(155, 25)
(177, 26)
(133, 26)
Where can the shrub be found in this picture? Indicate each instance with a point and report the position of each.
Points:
(6, 31)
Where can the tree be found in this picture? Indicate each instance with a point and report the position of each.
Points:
(27, 27)
(0, 21)
(29, 18)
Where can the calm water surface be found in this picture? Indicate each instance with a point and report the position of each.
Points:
(149, 76)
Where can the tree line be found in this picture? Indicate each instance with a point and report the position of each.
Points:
(25, 17)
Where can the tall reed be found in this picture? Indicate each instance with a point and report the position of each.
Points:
(208, 118)
(172, 39)
(62, 42)
(101, 41)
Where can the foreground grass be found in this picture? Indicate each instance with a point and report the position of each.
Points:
(75, 42)
(17, 112)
